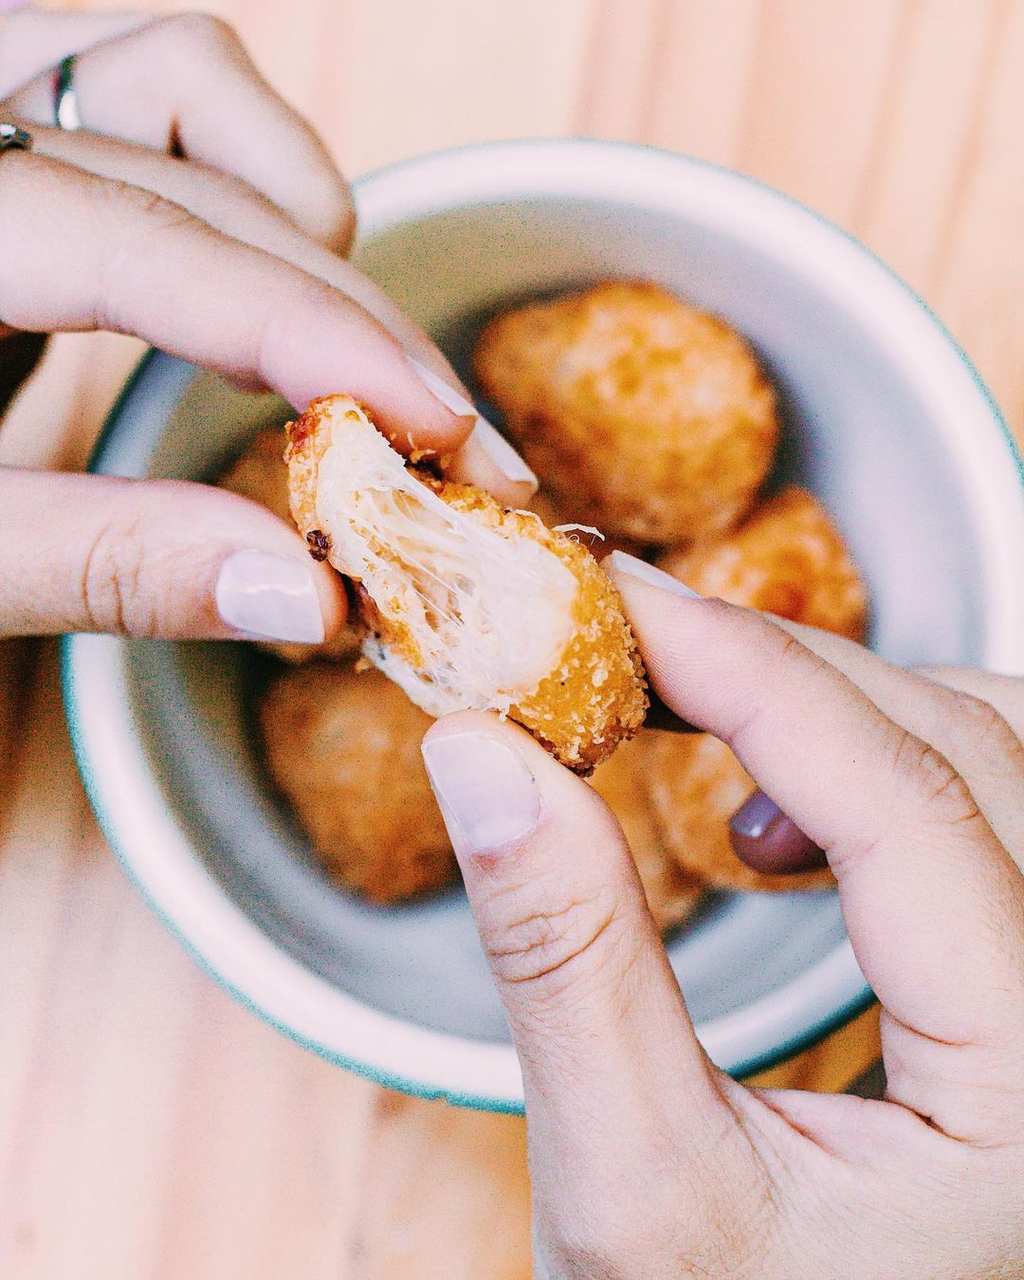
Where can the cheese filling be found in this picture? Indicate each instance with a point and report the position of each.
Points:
(487, 616)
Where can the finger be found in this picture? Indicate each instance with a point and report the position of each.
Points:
(934, 905)
(1005, 693)
(231, 206)
(155, 558)
(93, 254)
(970, 726)
(485, 457)
(186, 84)
(35, 40)
(593, 1006)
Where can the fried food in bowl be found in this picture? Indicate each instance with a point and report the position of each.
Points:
(787, 558)
(467, 604)
(696, 784)
(672, 891)
(259, 472)
(343, 747)
(642, 414)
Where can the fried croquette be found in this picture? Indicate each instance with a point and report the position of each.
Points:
(467, 605)
(696, 784)
(672, 891)
(259, 474)
(641, 414)
(787, 558)
(344, 748)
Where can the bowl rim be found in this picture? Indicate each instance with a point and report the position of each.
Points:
(467, 1072)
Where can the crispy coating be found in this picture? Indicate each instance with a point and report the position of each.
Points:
(643, 415)
(344, 748)
(672, 891)
(787, 558)
(593, 695)
(696, 784)
(259, 474)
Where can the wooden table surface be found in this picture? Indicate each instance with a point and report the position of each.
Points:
(150, 1128)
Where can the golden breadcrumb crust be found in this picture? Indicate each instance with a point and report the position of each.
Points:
(259, 474)
(787, 558)
(641, 414)
(672, 891)
(344, 748)
(595, 698)
(595, 695)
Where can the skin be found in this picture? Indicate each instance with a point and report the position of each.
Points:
(648, 1161)
(226, 253)
(645, 1159)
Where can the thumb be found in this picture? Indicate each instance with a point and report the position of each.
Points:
(594, 1008)
(155, 558)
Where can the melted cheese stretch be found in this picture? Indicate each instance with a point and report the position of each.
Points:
(489, 616)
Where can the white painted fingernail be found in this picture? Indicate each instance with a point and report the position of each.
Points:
(501, 453)
(269, 597)
(487, 794)
(622, 562)
(493, 443)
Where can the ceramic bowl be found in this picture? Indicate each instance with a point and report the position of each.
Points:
(884, 418)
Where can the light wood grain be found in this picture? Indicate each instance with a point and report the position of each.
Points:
(150, 1128)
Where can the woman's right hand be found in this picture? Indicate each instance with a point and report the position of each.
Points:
(646, 1160)
(227, 253)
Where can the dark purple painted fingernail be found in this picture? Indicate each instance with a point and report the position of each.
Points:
(765, 839)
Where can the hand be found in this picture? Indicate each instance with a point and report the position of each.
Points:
(205, 216)
(645, 1159)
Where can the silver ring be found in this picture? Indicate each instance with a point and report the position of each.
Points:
(65, 100)
(14, 139)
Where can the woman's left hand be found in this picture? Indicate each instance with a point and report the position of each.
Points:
(197, 210)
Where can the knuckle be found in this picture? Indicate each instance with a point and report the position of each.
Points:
(584, 1256)
(334, 215)
(236, 193)
(987, 726)
(112, 587)
(138, 217)
(30, 181)
(203, 31)
(711, 1239)
(546, 946)
(154, 210)
(924, 771)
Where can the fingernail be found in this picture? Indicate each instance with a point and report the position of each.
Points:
(493, 443)
(768, 840)
(755, 816)
(623, 562)
(269, 597)
(501, 453)
(487, 795)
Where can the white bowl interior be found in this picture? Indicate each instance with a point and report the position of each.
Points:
(882, 420)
